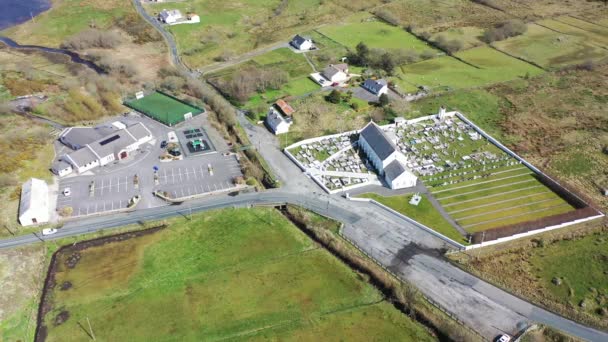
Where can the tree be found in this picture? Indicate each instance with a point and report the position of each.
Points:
(383, 100)
(334, 97)
(387, 63)
(354, 106)
(362, 53)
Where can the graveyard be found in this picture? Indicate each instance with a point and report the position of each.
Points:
(477, 183)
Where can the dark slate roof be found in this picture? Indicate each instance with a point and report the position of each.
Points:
(378, 141)
(298, 40)
(393, 170)
(373, 85)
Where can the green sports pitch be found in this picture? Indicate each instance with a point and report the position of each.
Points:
(164, 108)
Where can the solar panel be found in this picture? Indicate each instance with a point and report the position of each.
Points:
(109, 140)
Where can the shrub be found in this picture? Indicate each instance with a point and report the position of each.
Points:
(504, 30)
(334, 96)
(93, 38)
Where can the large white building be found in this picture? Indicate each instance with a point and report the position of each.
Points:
(99, 146)
(34, 203)
(383, 154)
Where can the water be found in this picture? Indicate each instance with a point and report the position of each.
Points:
(13, 12)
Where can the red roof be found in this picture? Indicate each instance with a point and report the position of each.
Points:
(285, 107)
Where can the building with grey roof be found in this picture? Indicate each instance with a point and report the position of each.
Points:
(118, 143)
(384, 155)
(376, 87)
(302, 43)
(336, 73)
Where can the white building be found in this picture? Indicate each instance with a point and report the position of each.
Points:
(93, 148)
(301, 43)
(169, 16)
(376, 87)
(383, 153)
(337, 73)
(278, 123)
(34, 203)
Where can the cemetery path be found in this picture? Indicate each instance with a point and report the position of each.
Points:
(444, 213)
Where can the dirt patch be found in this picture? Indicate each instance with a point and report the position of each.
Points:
(66, 285)
(63, 316)
(72, 260)
(46, 303)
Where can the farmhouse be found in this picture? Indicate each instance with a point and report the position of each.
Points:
(98, 149)
(34, 203)
(279, 120)
(382, 152)
(301, 43)
(376, 87)
(169, 16)
(336, 73)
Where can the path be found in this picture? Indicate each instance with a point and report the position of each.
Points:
(241, 59)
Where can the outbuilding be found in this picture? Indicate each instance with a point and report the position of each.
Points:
(34, 203)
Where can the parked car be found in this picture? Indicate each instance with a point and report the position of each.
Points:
(503, 338)
(175, 153)
(163, 144)
(49, 231)
(67, 192)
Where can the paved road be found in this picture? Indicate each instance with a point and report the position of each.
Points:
(408, 251)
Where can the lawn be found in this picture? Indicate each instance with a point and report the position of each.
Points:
(559, 270)
(486, 66)
(234, 274)
(375, 34)
(424, 213)
(551, 49)
(163, 108)
(66, 18)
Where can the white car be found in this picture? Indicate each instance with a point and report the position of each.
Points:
(503, 338)
(67, 192)
(49, 231)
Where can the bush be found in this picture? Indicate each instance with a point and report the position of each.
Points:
(504, 30)
(137, 28)
(93, 38)
(334, 97)
(449, 46)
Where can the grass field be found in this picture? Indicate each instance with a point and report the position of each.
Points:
(559, 270)
(468, 35)
(552, 49)
(375, 34)
(500, 199)
(487, 66)
(188, 282)
(163, 108)
(424, 213)
(66, 18)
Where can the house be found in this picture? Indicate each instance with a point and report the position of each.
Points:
(301, 43)
(169, 16)
(278, 123)
(376, 87)
(383, 154)
(336, 73)
(34, 202)
(94, 149)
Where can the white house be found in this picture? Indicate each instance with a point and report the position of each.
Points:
(382, 152)
(278, 123)
(376, 87)
(169, 16)
(336, 73)
(34, 203)
(116, 145)
(301, 43)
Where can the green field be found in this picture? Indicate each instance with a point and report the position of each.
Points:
(424, 213)
(486, 66)
(375, 34)
(163, 108)
(551, 49)
(237, 274)
(501, 199)
(468, 35)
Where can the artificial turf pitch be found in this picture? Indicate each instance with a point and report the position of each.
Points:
(163, 108)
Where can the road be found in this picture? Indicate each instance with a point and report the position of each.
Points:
(408, 251)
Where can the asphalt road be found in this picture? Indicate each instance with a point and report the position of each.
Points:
(408, 251)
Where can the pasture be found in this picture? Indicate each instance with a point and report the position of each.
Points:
(486, 66)
(551, 49)
(244, 274)
(163, 108)
(374, 33)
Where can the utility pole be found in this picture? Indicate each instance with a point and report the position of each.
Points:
(91, 329)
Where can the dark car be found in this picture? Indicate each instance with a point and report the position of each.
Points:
(175, 153)
(163, 144)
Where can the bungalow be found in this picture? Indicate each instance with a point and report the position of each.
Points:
(278, 123)
(382, 152)
(336, 73)
(169, 16)
(301, 43)
(376, 87)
